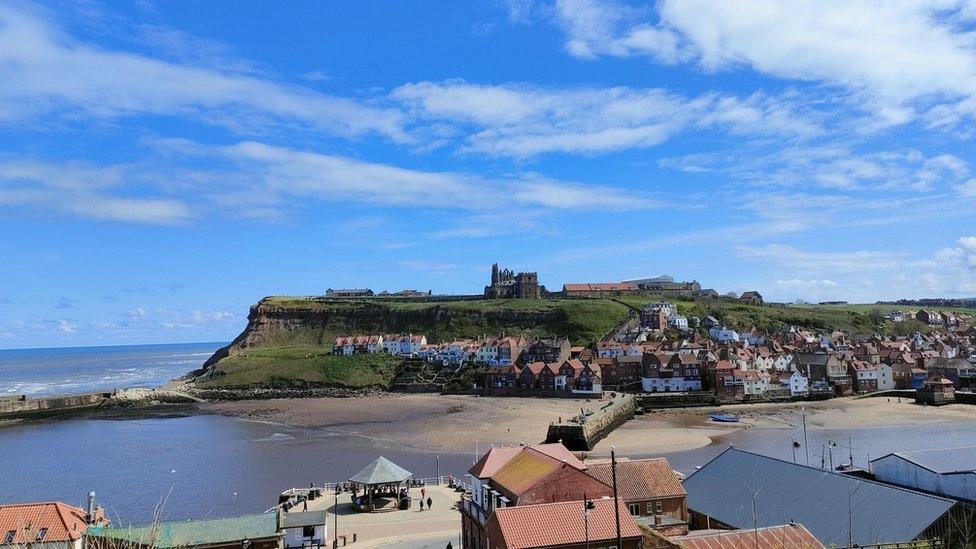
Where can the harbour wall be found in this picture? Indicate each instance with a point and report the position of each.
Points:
(583, 432)
(22, 407)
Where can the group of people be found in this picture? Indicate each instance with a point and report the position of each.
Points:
(423, 494)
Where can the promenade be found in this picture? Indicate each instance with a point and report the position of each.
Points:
(412, 528)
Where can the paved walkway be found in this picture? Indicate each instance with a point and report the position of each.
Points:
(411, 527)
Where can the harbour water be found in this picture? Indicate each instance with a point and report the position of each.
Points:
(69, 370)
(215, 465)
(212, 465)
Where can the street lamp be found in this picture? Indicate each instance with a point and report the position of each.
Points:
(588, 506)
(437, 458)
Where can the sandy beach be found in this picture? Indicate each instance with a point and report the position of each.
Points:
(454, 423)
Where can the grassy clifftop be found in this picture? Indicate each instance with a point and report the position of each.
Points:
(288, 340)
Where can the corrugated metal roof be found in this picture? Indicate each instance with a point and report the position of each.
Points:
(943, 460)
(723, 489)
(195, 533)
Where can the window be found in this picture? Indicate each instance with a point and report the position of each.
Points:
(41, 533)
(658, 507)
(308, 531)
(634, 508)
(10, 536)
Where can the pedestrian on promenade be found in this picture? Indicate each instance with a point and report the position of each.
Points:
(421, 504)
(449, 546)
(428, 504)
(305, 505)
(423, 493)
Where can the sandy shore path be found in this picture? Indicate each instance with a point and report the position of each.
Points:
(460, 424)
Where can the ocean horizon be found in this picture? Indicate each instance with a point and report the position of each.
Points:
(48, 371)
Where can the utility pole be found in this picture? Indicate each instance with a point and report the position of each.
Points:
(616, 504)
(806, 447)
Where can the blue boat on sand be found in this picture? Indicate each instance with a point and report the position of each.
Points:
(724, 418)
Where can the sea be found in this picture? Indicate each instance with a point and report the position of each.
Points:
(196, 466)
(71, 370)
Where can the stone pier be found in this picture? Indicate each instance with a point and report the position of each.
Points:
(583, 432)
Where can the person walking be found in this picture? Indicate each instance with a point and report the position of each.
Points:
(428, 503)
(305, 505)
(421, 505)
(449, 546)
(423, 492)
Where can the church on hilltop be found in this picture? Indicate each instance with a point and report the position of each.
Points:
(505, 284)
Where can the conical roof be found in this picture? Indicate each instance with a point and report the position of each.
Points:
(381, 471)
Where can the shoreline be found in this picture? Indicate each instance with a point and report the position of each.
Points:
(461, 424)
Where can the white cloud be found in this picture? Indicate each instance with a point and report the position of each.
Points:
(336, 178)
(46, 70)
(791, 258)
(96, 192)
(521, 120)
(890, 54)
(967, 189)
(66, 327)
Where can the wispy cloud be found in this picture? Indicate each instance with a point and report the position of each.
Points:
(48, 71)
(521, 120)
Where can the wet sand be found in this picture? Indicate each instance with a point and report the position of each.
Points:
(455, 423)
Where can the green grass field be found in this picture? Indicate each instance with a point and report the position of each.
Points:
(301, 366)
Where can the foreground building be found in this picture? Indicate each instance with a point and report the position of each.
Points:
(250, 531)
(562, 525)
(834, 507)
(46, 525)
(949, 472)
(789, 536)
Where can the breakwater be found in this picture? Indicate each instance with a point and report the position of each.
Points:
(584, 431)
(19, 407)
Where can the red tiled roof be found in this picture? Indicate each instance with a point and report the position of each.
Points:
(554, 524)
(600, 286)
(63, 522)
(790, 536)
(641, 479)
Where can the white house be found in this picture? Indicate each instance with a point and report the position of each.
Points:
(947, 472)
(303, 529)
(886, 381)
(723, 334)
(783, 363)
(799, 384)
(678, 322)
(487, 352)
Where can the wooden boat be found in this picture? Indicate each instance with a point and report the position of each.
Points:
(724, 418)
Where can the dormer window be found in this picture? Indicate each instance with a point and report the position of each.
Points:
(41, 533)
(10, 536)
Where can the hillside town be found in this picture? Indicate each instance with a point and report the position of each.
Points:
(730, 365)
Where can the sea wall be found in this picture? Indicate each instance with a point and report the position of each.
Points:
(583, 433)
(23, 407)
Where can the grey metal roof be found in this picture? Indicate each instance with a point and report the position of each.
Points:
(304, 518)
(943, 461)
(723, 489)
(381, 471)
(169, 535)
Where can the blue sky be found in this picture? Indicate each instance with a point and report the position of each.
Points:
(163, 165)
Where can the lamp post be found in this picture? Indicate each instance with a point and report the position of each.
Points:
(587, 507)
(616, 504)
(437, 458)
(335, 514)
